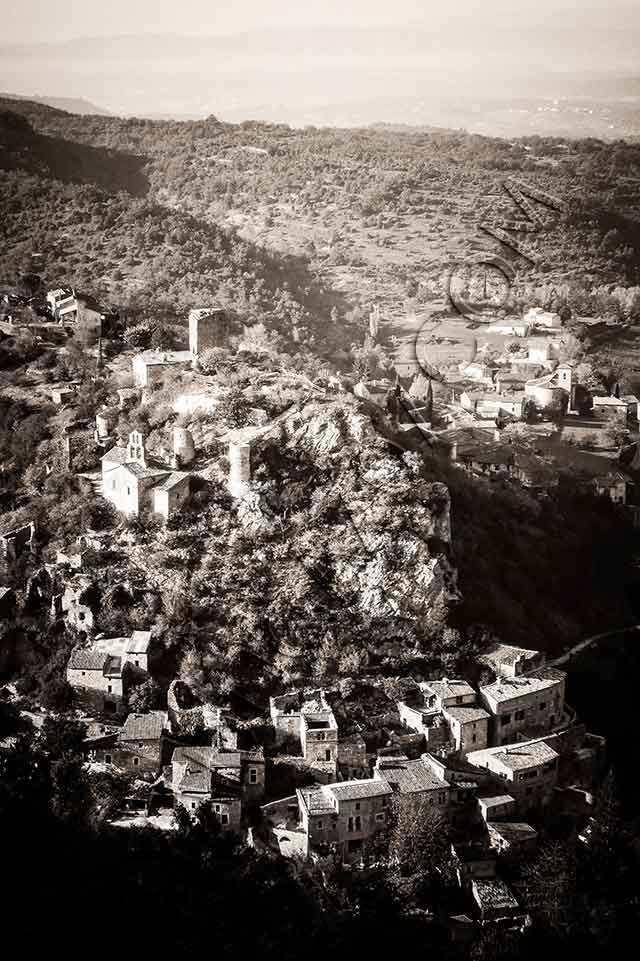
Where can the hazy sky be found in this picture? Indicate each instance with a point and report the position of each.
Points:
(54, 20)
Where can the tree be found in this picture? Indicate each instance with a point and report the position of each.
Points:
(420, 860)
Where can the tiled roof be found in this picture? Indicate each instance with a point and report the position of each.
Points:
(315, 800)
(87, 659)
(141, 727)
(140, 471)
(197, 780)
(353, 790)
(117, 455)
(174, 478)
(521, 756)
(208, 757)
(608, 402)
(467, 714)
(508, 654)
(513, 830)
(410, 777)
(509, 688)
(494, 893)
(447, 688)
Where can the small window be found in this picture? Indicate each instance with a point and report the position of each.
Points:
(350, 824)
(84, 673)
(519, 715)
(224, 819)
(357, 805)
(128, 492)
(474, 738)
(380, 817)
(319, 825)
(113, 485)
(505, 719)
(458, 700)
(140, 744)
(385, 801)
(193, 805)
(136, 761)
(109, 689)
(81, 616)
(253, 775)
(107, 759)
(137, 662)
(542, 706)
(216, 808)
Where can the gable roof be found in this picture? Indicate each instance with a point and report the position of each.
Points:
(87, 659)
(144, 727)
(409, 777)
(354, 790)
(174, 478)
(117, 455)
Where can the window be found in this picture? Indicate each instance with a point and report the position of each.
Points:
(128, 492)
(385, 801)
(505, 719)
(224, 819)
(357, 805)
(319, 825)
(458, 700)
(107, 759)
(474, 738)
(253, 775)
(81, 616)
(136, 761)
(442, 797)
(216, 808)
(83, 673)
(113, 485)
(380, 817)
(140, 744)
(519, 715)
(350, 824)
(327, 755)
(542, 705)
(193, 805)
(109, 689)
(137, 662)
(358, 823)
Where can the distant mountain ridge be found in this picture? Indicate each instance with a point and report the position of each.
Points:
(77, 105)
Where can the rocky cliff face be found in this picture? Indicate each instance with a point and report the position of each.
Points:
(387, 531)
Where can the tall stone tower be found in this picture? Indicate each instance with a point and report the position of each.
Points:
(208, 327)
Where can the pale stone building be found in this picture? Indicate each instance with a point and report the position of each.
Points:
(97, 671)
(208, 328)
(529, 770)
(149, 367)
(525, 706)
(231, 780)
(134, 485)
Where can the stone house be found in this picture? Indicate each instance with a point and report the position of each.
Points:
(512, 836)
(469, 726)
(496, 806)
(539, 317)
(511, 661)
(99, 672)
(611, 409)
(307, 719)
(137, 748)
(612, 485)
(344, 816)
(149, 367)
(529, 770)
(96, 677)
(412, 779)
(230, 780)
(133, 485)
(525, 706)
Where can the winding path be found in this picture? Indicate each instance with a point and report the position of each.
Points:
(588, 641)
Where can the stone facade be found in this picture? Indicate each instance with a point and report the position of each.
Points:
(208, 327)
(526, 705)
(529, 770)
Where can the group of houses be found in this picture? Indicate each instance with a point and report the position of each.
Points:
(485, 754)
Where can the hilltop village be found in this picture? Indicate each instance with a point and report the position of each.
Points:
(326, 748)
